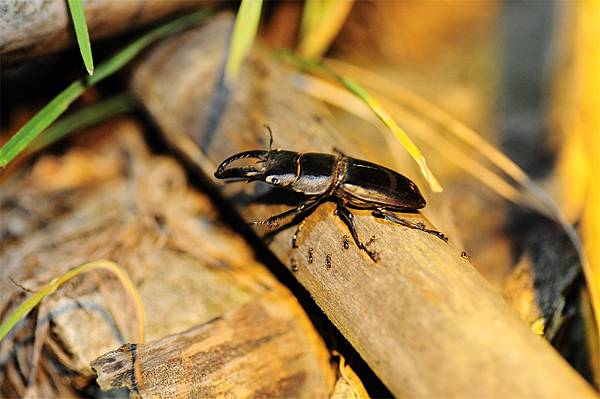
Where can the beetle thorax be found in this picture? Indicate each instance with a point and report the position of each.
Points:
(316, 173)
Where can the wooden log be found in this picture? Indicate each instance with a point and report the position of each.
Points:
(252, 351)
(423, 319)
(32, 28)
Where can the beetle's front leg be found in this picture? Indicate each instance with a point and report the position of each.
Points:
(392, 217)
(348, 218)
(303, 207)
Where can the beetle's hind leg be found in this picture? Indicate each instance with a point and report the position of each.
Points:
(348, 218)
(392, 217)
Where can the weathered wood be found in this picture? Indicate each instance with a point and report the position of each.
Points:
(33, 28)
(112, 199)
(252, 351)
(425, 321)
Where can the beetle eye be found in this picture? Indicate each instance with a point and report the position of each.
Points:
(274, 180)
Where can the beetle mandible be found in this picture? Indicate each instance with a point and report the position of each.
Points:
(350, 182)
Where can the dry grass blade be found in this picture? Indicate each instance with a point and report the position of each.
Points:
(338, 97)
(358, 389)
(398, 94)
(321, 22)
(23, 310)
(377, 109)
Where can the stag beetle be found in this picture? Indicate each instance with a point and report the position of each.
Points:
(348, 181)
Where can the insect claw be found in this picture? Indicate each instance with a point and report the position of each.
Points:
(440, 235)
(346, 242)
(371, 241)
(294, 265)
(273, 225)
(374, 255)
(241, 173)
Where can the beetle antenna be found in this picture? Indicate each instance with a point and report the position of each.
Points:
(270, 136)
(270, 142)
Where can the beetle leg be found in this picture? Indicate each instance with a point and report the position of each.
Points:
(339, 152)
(295, 236)
(303, 207)
(392, 217)
(348, 218)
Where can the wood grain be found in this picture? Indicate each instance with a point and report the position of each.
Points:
(252, 351)
(424, 320)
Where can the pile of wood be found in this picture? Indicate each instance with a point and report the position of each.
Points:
(216, 321)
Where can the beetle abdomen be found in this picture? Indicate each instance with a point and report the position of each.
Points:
(375, 184)
(315, 173)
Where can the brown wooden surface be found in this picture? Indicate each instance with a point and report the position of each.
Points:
(252, 351)
(33, 28)
(424, 320)
(112, 199)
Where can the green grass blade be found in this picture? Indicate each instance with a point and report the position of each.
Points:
(321, 22)
(83, 118)
(40, 122)
(81, 31)
(244, 32)
(23, 309)
(60, 103)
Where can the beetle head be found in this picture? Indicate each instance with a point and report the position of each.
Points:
(279, 167)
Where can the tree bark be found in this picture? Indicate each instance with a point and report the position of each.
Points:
(32, 28)
(252, 351)
(422, 317)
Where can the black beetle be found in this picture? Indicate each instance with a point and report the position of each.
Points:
(348, 181)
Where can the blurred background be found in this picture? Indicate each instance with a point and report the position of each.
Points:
(461, 78)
